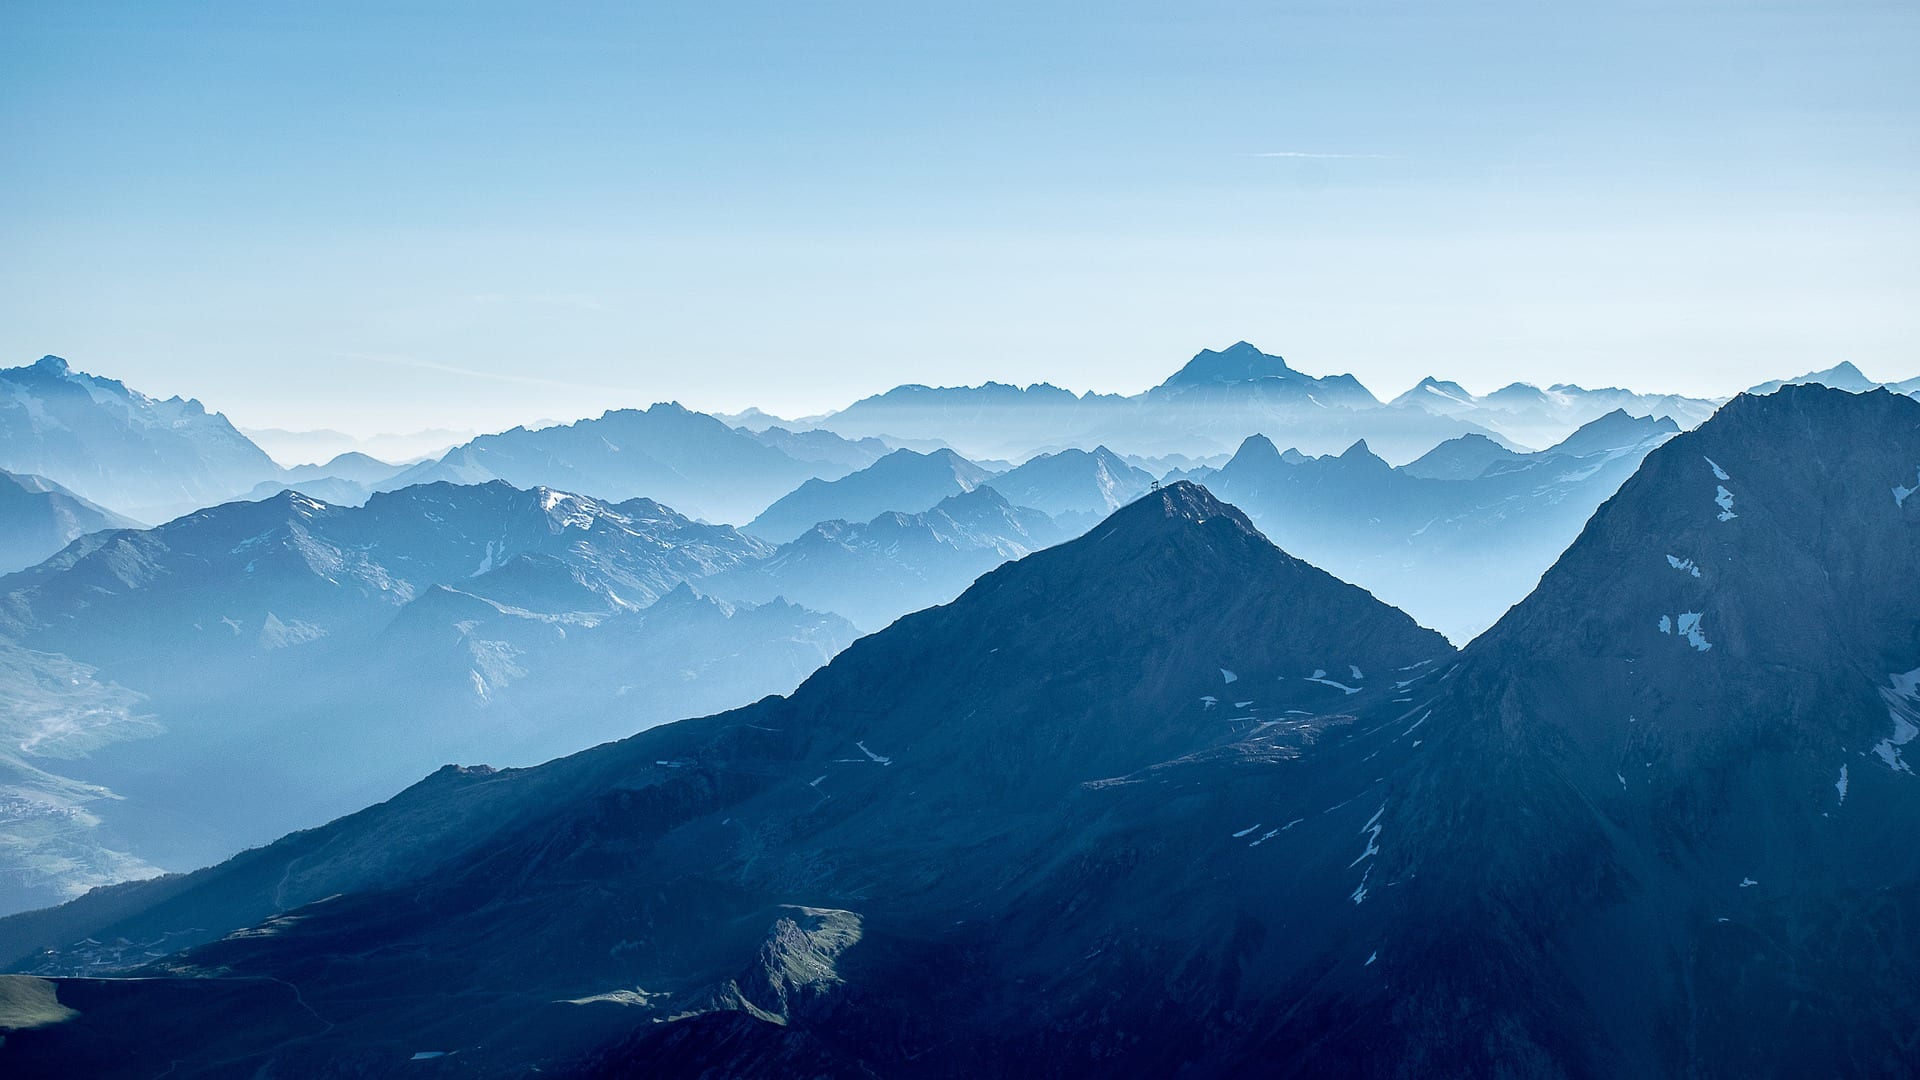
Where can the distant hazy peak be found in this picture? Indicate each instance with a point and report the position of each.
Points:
(1182, 501)
(1841, 376)
(1239, 362)
(1254, 448)
(1613, 431)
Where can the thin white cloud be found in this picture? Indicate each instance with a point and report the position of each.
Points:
(1318, 155)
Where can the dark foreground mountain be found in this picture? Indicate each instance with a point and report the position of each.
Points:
(1159, 800)
(909, 796)
(145, 457)
(39, 517)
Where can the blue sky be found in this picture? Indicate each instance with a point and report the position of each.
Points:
(394, 216)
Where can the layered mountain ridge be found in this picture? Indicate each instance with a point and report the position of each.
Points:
(1160, 799)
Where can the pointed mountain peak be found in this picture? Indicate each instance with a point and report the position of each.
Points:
(1360, 453)
(1841, 376)
(981, 498)
(1462, 457)
(681, 595)
(51, 365)
(1435, 391)
(1239, 362)
(1614, 431)
(1255, 449)
(1181, 501)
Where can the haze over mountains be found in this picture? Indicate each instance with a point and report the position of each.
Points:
(914, 825)
(1218, 398)
(147, 458)
(1161, 798)
(255, 651)
(1454, 544)
(39, 517)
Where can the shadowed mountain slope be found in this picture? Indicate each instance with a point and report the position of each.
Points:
(1162, 800)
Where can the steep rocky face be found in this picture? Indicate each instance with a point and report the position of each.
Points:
(149, 458)
(1661, 827)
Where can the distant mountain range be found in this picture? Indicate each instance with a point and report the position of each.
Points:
(876, 571)
(904, 481)
(261, 652)
(1077, 488)
(267, 619)
(682, 458)
(1536, 417)
(296, 448)
(39, 517)
(1160, 800)
(153, 460)
(147, 458)
(1220, 397)
(1455, 537)
(1843, 376)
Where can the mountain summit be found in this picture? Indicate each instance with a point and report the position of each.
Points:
(1238, 362)
(1241, 368)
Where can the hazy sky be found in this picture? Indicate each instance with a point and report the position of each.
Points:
(398, 215)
